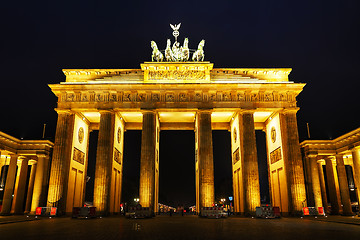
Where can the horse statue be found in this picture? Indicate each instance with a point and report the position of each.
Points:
(199, 53)
(168, 52)
(156, 54)
(176, 52)
(185, 50)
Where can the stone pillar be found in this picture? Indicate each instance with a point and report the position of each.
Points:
(205, 159)
(323, 187)
(356, 162)
(249, 162)
(148, 160)
(30, 188)
(40, 183)
(334, 200)
(293, 161)
(308, 181)
(60, 164)
(104, 157)
(19, 193)
(344, 186)
(9, 187)
(315, 181)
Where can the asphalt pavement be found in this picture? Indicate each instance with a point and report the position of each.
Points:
(178, 227)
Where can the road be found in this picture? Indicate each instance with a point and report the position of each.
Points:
(177, 227)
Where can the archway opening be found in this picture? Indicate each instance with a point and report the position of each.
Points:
(222, 167)
(131, 167)
(177, 168)
(263, 166)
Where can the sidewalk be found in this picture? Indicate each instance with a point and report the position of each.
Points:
(16, 218)
(355, 220)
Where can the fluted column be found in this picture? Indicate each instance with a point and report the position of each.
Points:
(323, 187)
(315, 181)
(356, 162)
(61, 161)
(40, 183)
(148, 158)
(19, 193)
(250, 163)
(293, 161)
(205, 159)
(9, 186)
(30, 188)
(330, 176)
(104, 157)
(344, 186)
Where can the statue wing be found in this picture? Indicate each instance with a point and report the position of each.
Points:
(172, 26)
(178, 26)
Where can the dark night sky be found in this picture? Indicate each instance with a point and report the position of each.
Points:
(319, 40)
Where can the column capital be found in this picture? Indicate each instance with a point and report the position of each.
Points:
(148, 110)
(204, 110)
(290, 110)
(354, 148)
(42, 155)
(63, 111)
(312, 154)
(339, 155)
(101, 111)
(246, 110)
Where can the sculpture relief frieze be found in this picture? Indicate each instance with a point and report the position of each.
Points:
(127, 97)
(117, 156)
(268, 97)
(254, 97)
(183, 97)
(180, 96)
(112, 97)
(198, 97)
(99, 97)
(70, 97)
(78, 156)
(155, 97)
(212, 97)
(282, 97)
(241, 97)
(177, 75)
(170, 97)
(141, 97)
(85, 97)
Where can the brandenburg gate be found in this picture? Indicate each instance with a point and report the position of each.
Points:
(174, 92)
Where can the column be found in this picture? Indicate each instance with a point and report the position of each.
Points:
(9, 187)
(356, 162)
(205, 159)
(315, 181)
(293, 161)
(147, 189)
(308, 181)
(334, 200)
(30, 188)
(40, 183)
(61, 161)
(104, 157)
(323, 187)
(344, 186)
(19, 193)
(250, 164)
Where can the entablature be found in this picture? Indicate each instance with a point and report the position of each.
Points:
(179, 95)
(339, 145)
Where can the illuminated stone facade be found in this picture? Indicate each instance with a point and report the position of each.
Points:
(23, 188)
(176, 96)
(340, 158)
